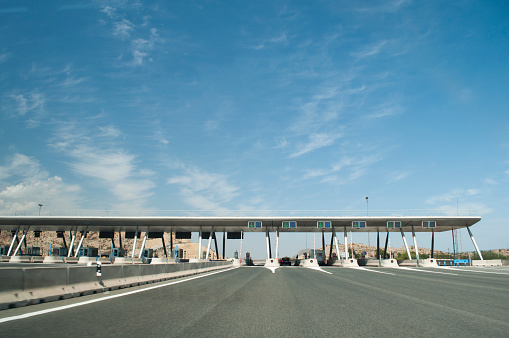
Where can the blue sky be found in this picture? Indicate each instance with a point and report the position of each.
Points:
(257, 105)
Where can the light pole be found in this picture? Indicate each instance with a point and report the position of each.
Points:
(367, 213)
(40, 206)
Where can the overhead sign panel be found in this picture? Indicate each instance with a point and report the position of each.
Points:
(289, 224)
(393, 224)
(358, 224)
(254, 224)
(429, 224)
(323, 224)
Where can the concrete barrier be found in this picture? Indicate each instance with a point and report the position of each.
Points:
(408, 262)
(32, 285)
(347, 263)
(388, 263)
(428, 263)
(236, 262)
(373, 262)
(20, 259)
(487, 262)
(86, 260)
(53, 259)
(271, 262)
(309, 263)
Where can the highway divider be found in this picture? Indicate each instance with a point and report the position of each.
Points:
(33, 285)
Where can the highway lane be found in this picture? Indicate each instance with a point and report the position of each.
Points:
(293, 301)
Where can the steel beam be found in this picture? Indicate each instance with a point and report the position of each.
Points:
(81, 242)
(406, 244)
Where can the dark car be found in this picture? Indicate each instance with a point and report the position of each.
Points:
(285, 261)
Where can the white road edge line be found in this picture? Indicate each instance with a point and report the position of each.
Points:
(412, 269)
(453, 268)
(361, 268)
(64, 307)
(319, 269)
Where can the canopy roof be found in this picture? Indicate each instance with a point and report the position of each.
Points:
(230, 223)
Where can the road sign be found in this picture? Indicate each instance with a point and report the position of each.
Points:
(393, 224)
(323, 224)
(429, 224)
(254, 224)
(289, 224)
(358, 224)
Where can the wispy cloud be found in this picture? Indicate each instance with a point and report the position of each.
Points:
(95, 155)
(203, 190)
(315, 141)
(23, 185)
(452, 195)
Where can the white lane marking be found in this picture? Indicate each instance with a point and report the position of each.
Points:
(319, 269)
(272, 268)
(361, 268)
(64, 307)
(445, 273)
(472, 270)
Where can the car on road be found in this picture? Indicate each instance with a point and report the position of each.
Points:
(285, 261)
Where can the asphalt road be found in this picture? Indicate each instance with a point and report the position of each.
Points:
(292, 302)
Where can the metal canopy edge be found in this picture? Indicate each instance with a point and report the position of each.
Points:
(230, 223)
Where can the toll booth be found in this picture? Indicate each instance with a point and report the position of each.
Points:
(178, 254)
(59, 251)
(116, 252)
(4, 250)
(148, 253)
(89, 252)
(147, 256)
(249, 260)
(32, 251)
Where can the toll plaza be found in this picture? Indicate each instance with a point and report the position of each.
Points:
(233, 227)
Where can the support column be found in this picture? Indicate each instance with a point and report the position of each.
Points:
(475, 244)
(346, 243)
(267, 242)
(331, 242)
(386, 241)
(453, 245)
(415, 245)
(277, 244)
(224, 244)
(215, 243)
(143, 244)
(406, 244)
(171, 245)
(120, 240)
(432, 243)
(209, 243)
(22, 239)
(134, 244)
(81, 242)
(164, 246)
(199, 244)
(71, 248)
(323, 242)
(377, 244)
(13, 240)
(336, 242)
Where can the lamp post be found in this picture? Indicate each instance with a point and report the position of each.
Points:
(367, 213)
(40, 206)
